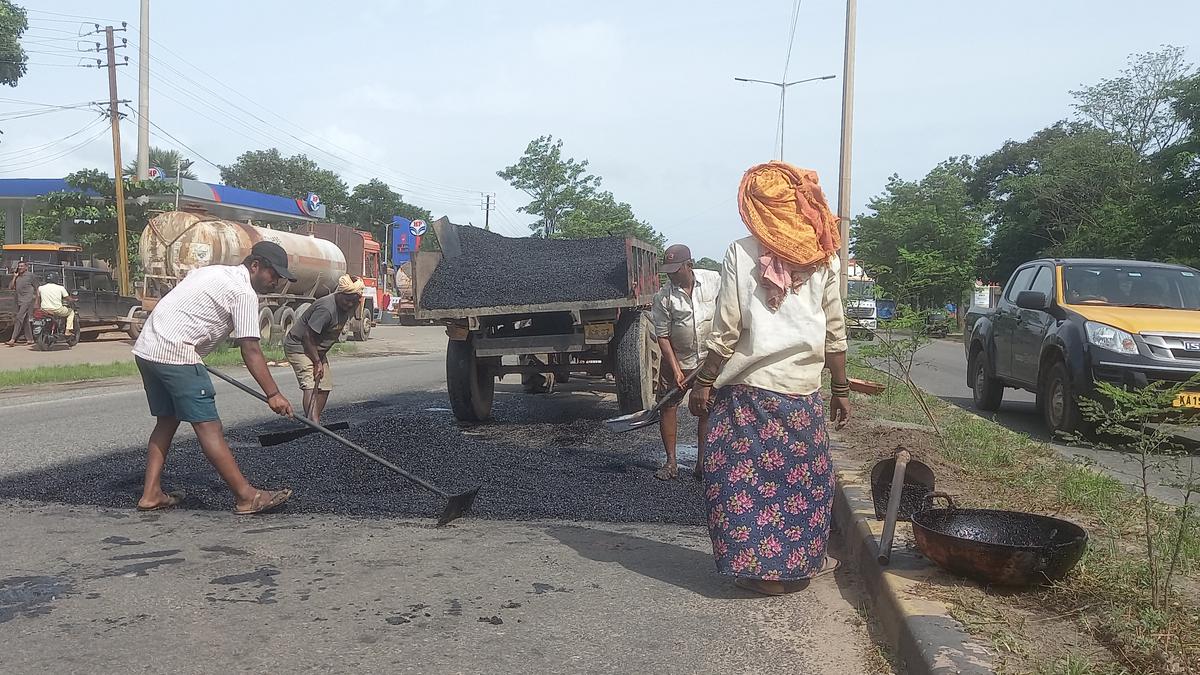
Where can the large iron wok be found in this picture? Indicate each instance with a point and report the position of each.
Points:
(999, 548)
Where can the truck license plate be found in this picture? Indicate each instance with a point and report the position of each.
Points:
(598, 332)
(1188, 399)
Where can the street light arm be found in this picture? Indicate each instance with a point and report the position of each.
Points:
(811, 79)
(744, 79)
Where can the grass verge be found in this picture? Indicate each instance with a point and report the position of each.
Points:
(87, 372)
(1107, 597)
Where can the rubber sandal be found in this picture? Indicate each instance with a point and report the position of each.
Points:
(666, 473)
(754, 586)
(831, 566)
(173, 499)
(277, 500)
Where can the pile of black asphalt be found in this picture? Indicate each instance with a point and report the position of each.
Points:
(496, 271)
(543, 457)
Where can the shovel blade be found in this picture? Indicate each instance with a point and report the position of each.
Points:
(457, 505)
(278, 437)
(638, 420)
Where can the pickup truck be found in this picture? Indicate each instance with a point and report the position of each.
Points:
(1062, 325)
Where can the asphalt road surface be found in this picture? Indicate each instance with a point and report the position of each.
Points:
(577, 559)
(941, 370)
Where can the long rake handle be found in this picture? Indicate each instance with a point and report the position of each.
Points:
(349, 444)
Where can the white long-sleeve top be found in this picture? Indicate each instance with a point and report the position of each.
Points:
(781, 351)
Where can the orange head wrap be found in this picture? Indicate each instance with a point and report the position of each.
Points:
(785, 209)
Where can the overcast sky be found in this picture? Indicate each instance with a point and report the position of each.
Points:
(434, 97)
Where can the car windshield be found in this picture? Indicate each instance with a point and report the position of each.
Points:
(1119, 286)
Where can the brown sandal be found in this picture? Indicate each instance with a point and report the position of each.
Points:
(257, 505)
(173, 499)
(667, 473)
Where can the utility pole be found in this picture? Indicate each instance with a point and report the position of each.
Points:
(118, 179)
(488, 205)
(143, 150)
(783, 86)
(847, 134)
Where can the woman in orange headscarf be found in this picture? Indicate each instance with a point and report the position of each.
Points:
(779, 322)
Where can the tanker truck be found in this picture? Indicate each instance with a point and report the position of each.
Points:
(177, 242)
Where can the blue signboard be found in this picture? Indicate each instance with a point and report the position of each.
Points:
(404, 242)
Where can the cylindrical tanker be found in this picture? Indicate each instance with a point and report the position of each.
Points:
(177, 242)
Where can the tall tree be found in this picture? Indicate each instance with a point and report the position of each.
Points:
(923, 240)
(1135, 107)
(603, 216)
(1070, 189)
(1172, 219)
(268, 171)
(92, 205)
(167, 160)
(556, 185)
(372, 205)
(13, 24)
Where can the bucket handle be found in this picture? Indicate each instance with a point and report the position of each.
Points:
(930, 500)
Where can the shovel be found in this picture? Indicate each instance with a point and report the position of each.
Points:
(456, 505)
(650, 416)
(280, 437)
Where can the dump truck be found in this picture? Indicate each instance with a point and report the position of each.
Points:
(552, 308)
(177, 242)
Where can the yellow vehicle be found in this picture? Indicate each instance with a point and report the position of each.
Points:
(1062, 325)
(47, 252)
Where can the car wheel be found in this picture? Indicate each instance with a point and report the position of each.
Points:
(1059, 407)
(987, 391)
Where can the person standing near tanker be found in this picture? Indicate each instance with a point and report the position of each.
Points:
(779, 323)
(682, 316)
(308, 342)
(26, 287)
(210, 305)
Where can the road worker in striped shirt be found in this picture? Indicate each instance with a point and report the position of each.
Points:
(210, 305)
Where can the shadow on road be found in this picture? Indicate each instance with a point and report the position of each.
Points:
(687, 568)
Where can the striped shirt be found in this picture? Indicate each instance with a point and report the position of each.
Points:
(211, 304)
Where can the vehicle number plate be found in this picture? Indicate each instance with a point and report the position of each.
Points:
(599, 332)
(1188, 399)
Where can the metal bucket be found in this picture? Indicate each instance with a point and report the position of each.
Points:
(918, 483)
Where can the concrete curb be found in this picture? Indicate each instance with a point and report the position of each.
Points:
(923, 636)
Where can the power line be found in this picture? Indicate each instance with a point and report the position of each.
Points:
(38, 148)
(46, 160)
(75, 18)
(179, 142)
(417, 181)
(349, 168)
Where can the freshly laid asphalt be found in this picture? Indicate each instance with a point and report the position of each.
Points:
(575, 560)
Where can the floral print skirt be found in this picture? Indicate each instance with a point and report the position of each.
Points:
(768, 483)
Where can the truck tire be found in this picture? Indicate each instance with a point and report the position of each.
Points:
(1060, 409)
(285, 318)
(469, 382)
(136, 322)
(266, 323)
(362, 327)
(302, 310)
(633, 362)
(987, 391)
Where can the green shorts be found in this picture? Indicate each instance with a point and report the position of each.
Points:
(183, 392)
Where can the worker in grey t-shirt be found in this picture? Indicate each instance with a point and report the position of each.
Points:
(308, 343)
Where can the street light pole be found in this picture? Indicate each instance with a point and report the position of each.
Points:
(847, 134)
(783, 98)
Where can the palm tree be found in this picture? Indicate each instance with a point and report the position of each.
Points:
(167, 161)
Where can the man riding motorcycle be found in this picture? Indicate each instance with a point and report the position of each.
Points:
(52, 298)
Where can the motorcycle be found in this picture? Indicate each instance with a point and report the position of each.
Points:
(49, 330)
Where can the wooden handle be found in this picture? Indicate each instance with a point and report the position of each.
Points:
(893, 508)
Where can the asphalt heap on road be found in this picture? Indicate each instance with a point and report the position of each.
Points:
(544, 457)
(494, 270)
